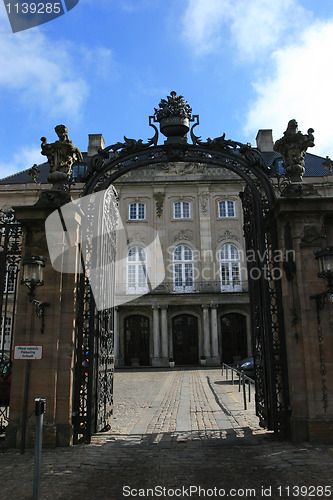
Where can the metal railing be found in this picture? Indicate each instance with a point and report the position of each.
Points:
(241, 381)
(167, 287)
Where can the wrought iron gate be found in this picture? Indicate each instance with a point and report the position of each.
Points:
(94, 357)
(10, 256)
(258, 198)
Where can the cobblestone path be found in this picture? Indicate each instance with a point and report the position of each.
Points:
(176, 433)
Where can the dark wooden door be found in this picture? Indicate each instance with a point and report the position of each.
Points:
(137, 340)
(233, 329)
(185, 339)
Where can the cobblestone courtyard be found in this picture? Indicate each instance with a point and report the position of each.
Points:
(178, 433)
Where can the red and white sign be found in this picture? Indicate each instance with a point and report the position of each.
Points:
(27, 352)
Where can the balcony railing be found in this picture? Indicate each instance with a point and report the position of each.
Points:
(170, 288)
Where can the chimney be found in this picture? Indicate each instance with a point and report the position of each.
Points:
(96, 142)
(265, 140)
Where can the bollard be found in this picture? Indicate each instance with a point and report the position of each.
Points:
(250, 391)
(232, 376)
(244, 392)
(40, 407)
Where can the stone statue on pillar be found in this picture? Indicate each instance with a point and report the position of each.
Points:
(61, 155)
(293, 146)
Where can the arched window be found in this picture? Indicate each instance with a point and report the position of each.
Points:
(183, 269)
(230, 268)
(136, 270)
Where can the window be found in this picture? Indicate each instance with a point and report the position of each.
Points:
(226, 208)
(230, 268)
(136, 270)
(181, 210)
(137, 211)
(6, 331)
(183, 269)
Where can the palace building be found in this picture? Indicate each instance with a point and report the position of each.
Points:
(200, 312)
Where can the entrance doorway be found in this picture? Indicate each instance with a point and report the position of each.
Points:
(137, 340)
(234, 343)
(185, 339)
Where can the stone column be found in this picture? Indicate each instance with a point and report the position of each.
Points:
(303, 225)
(206, 336)
(156, 336)
(116, 336)
(52, 376)
(164, 334)
(214, 335)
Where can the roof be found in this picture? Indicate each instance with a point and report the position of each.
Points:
(313, 168)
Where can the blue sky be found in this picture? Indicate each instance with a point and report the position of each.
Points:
(102, 68)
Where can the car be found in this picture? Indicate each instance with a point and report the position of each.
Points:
(5, 380)
(247, 366)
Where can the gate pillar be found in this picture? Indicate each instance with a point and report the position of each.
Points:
(51, 377)
(303, 225)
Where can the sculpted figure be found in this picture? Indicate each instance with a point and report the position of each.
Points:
(292, 146)
(61, 155)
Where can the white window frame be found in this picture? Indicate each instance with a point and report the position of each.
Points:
(183, 213)
(230, 269)
(136, 269)
(226, 208)
(137, 213)
(183, 269)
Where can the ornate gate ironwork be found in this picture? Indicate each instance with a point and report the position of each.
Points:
(109, 164)
(10, 256)
(94, 357)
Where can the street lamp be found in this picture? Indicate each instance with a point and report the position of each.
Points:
(33, 273)
(33, 276)
(324, 257)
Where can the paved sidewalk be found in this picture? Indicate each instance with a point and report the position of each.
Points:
(181, 430)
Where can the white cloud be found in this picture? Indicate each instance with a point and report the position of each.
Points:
(25, 158)
(42, 74)
(300, 88)
(253, 27)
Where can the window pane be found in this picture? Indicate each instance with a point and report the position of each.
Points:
(222, 209)
(132, 211)
(188, 274)
(186, 210)
(231, 209)
(187, 253)
(177, 212)
(141, 211)
(233, 252)
(178, 275)
(177, 255)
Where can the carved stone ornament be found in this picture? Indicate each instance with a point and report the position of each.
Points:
(61, 155)
(328, 165)
(227, 235)
(313, 236)
(182, 235)
(204, 200)
(136, 238)
(159, 199)
(34, 172)
(292, 146)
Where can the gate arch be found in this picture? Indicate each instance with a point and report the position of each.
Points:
(272, 401)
